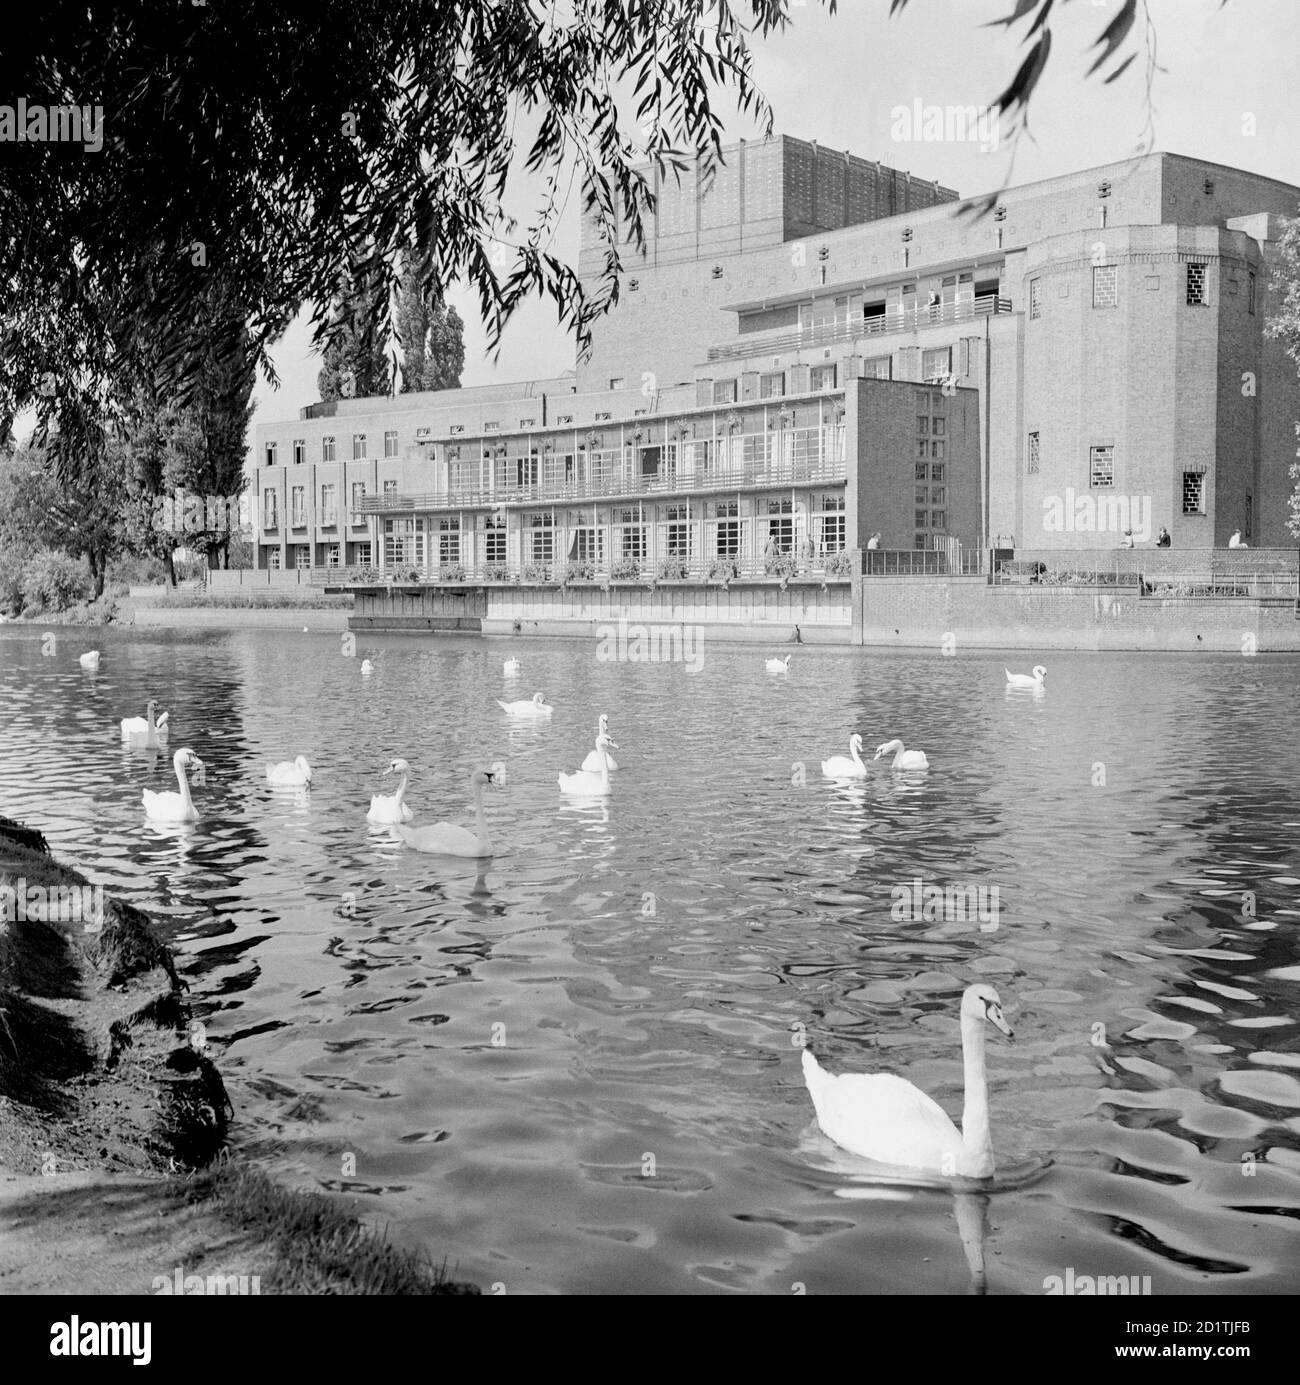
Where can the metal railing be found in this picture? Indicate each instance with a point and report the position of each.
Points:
(612, 487)
(821, 334)
(922, 562)
(782, 568)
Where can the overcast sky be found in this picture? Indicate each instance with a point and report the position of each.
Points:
(837, 79)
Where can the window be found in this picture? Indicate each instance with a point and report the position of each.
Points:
(1198, 293)
(328, 451)
(358, 494)
(832, 534)
(494, 542)
(269, 519)
(1250, 292)
(922, 447)
(822, 377)
(878, 368)
(938, 495)
(724, 391)
(1193, 492)
(358, 447)
(329, 505)
(390, 487)
(780, 531)
(922, 472)
(587, 546)
(390, 443)
(270, 453)
(677, 533)
(936, 363)
(938, 519)
(363, 554)
(449, 539)
(936, 473)
(303, 559)
(771, 384)
(920, 541)
(616, 383)
(631, 534)
(938, 426)
(936, 449)
(298, 507)
(274, 556)
(1105, 286)
(1035, 298)
(399, 536)
(727, 528)
(923, 425)
(922, 517)
(494, 426)
(1101, 468)
(332, 555)
(299, 451)
(1032, 455)
(922, 496)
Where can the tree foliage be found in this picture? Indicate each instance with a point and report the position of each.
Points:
(431, 333)
(1284, 324)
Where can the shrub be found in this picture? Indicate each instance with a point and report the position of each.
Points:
(673, 570)
(840, 564)
(536, 572)
(53, 581)
(11, 584)
(781, 565)
(580, 572)
(724, 568)
(496, 572)
(625, 569)
(451, 572)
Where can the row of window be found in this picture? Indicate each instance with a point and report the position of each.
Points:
(329, 448)
(1105, 287)
(328, 504)
(1101, 473)
(771, 384)
(936, 364)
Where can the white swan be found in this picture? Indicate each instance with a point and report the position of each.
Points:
(296, 771)
(585, 782)
(1026, 680)
(367, 666)
(392, 807)
(535, 706)
(848, 766)
(90, 659)
(175, 807)
(593, 761)
(511, 668)
(779, 665)
(904, 759)
(446, 838)
(885, 1118)
(153, 731)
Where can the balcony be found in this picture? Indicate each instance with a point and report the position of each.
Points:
(613, 482)
(823, 334)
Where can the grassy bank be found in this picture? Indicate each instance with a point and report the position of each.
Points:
(113, 1120)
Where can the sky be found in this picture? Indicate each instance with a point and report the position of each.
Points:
(1226, 93)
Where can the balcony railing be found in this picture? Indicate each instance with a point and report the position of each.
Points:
(613, 485)
(824, 333)
(923, 562)
(782, 569)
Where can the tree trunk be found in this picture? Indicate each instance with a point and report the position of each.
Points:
(169, 568)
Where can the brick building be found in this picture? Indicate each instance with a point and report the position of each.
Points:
(817, 348)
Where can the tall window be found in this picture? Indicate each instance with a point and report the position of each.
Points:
(1197, 285)
(724, 391)
(494, 542)
(1193, 492)
(1032, 466)
(390, 443)
(780, 524)
(831, 535)
(1101, 466)
(269, 517)
(299, 451)
(358, 447)
(677, 533)
(328, 450)
(332, 555)
(822, 377)
(449, 539)
(298, 506)
(270, 453)
(390, 487)
(1035, 298)
(726, 527)
(542, 538)
(771, 384)
(329, 505)
(303, 560)
(936, 363)
(358, 494)
(878, 368)
(587, 545)
(398, 541)
(631, 534)
(1105, 286)
(363, 554)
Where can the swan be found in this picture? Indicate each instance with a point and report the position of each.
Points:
(1026, 680)
(392, 807)
(587, 783)
(779, 665)
(905, 759)
(592, 763)
(511, 668)
(887, 1119)
(175, 807)
(90, 659)
(296, 771)
(534, 707)
(146, 726)
(846, 766)
(446, 838)
(367, 666)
